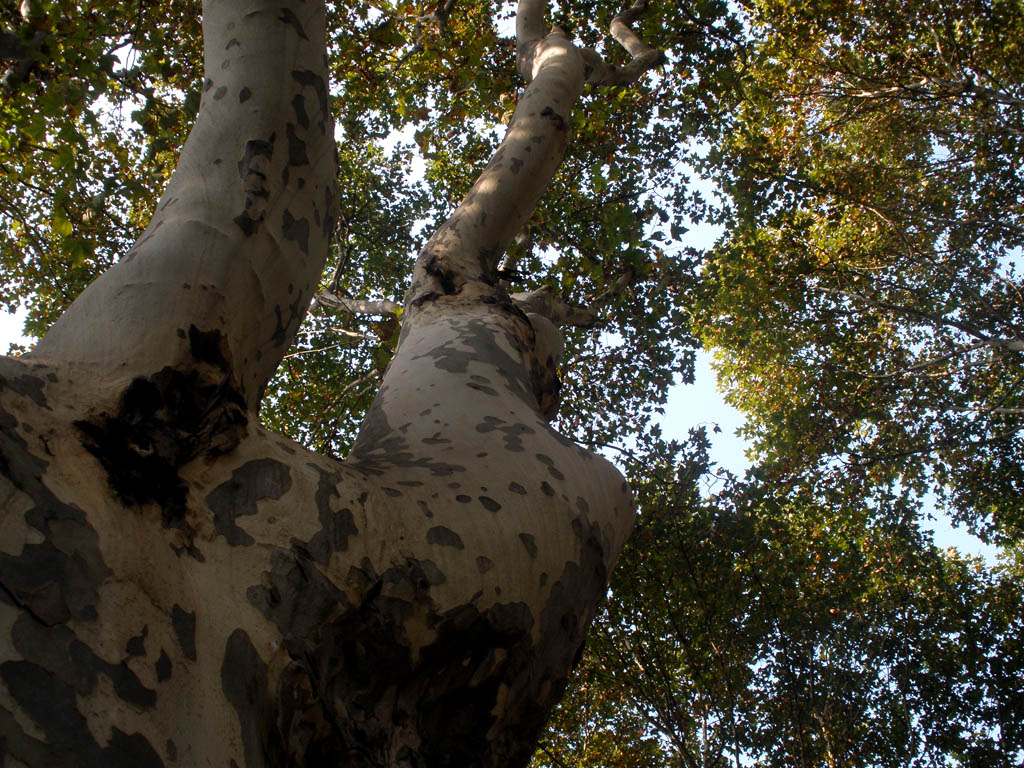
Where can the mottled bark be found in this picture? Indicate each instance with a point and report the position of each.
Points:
(181, 587)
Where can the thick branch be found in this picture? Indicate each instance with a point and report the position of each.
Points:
(466, 248)
(644, 57)
(236, 246)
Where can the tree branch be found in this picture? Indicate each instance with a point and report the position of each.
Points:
(545, 303)
(238, 241)
(357, 306)
(644, 57)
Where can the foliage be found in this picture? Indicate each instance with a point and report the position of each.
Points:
(866, 303)
(93, 116)
(757, 627)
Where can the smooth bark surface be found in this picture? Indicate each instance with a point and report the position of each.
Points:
(181, 587)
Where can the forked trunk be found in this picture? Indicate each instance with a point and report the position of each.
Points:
(182, 587)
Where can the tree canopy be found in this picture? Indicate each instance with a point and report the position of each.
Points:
(864, 305)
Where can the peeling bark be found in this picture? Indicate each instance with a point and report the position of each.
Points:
(182, 587)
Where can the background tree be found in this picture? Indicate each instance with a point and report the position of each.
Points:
(754, 627)
(864, 307)
(865, 303)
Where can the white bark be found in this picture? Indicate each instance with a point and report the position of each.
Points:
(240, 235)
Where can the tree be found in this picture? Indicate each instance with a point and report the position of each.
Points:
(865, 304)
(183, 586)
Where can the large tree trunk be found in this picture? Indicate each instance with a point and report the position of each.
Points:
(181, 587)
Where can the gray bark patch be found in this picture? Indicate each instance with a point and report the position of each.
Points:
(28, 386)
(422, 574)
(556, 118)
(184, 623)
(484, 564)
(136, 645)
(517, 488)
(288, 17)
(243, 678)
(335, 527)
(52, 704)
(299, 106)
(295, 595)
(444, 537)
(253, 482)
(296, 230)
(309, 79)
(52, 583)
(247, 223)
(163, 667)
(482, 388)
(529, 543)
(296, 147)
(510, 432)
(489, 504)
(244, 95)
(58, 650)
(252, 169)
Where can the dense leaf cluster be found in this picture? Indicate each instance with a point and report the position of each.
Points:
(866, 303)
(769, 628)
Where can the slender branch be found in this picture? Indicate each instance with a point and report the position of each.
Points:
(935, 321)
(357, 306)
(328, 348)
(644, 57)
(939, 87)
(999, 411)
(552, 756)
